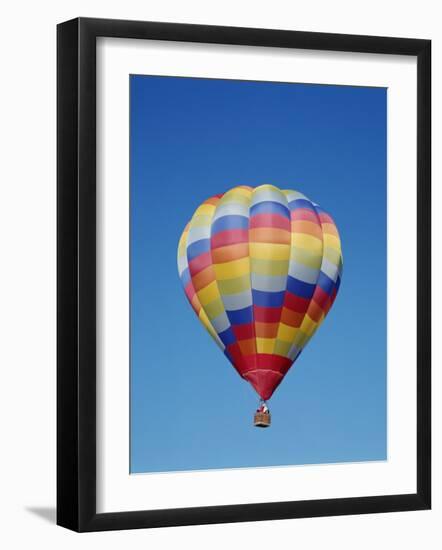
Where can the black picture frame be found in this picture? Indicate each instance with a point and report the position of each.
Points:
(76, 274)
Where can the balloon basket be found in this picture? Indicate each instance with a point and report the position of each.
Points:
(262, 420)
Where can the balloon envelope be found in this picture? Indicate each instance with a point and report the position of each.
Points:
(261, 267)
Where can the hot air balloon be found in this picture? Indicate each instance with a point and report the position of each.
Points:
(261, 268)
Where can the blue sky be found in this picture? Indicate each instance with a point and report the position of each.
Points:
(193, 138)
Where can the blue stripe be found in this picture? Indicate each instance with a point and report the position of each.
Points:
(338, 283)
(269, 207)
(241, 316)
(229, 222)
(301, 203)
(185, 277)
(197, 248)
(299, 288)
(268, 299)
(325, 283)
(227, 337)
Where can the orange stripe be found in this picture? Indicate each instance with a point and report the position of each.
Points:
(269, 235)
(229, 253)
(196, 304)
(266, 330)
(315, 312)
(203, 278)
(247, 347)
(330, 229)
(291, 318)
(212, 200)
(309, 228)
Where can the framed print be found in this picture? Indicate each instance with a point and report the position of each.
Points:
(243, 274)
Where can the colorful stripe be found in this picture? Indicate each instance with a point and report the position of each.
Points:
(261, 268)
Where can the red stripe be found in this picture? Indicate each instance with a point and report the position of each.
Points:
(244, 332)
(269, 220)
(236, 357)
(274, 362)
(314, 311)
(329, 304)
(291, 318)
(320, 297)
(189, 290)
(199, 263)
(296, 303)
(264, 381)
(304, 214)
(261, 361)
(231, 236)
(266, 361)
(241, 363)
(266, 314)
(325, 218)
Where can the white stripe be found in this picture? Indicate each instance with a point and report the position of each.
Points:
(330, 269)
(294, 195)
(231, 209)
(274, 195)
(268, 283)
(182, 264)
(220, 323)
(241, 300)
(303, 273)
(197, 233)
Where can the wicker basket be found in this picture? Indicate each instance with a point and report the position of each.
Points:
(262, 420)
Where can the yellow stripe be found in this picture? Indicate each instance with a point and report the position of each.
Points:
(286, 333)
(183, 239)
(208, 294)
(265, 345)
(330, 241)
(215, 308)
(182, 247)
(282, 348)
(205, 321)
(267, 187)
(201, 221)
(264, 267)
(309, 258)
(330, 228)
(235, 199)
(265, 251)
(239, 191)
(332, 255)
(237, 194)
(205, 210)
(233, 269)
(308, 242)
(308, 325)
(234, 286)
(301, 339)
(307, 227)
